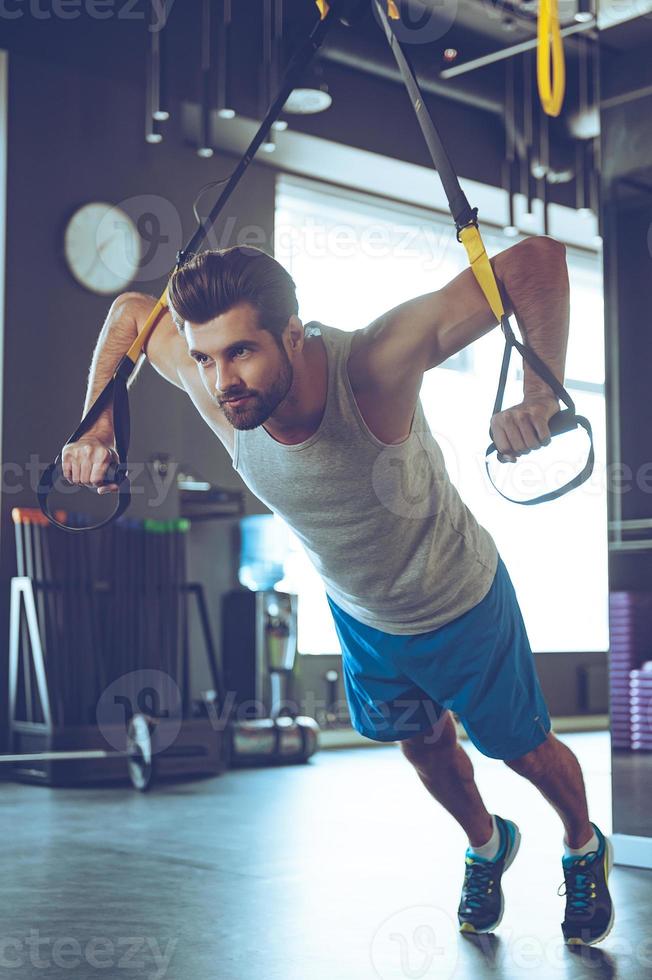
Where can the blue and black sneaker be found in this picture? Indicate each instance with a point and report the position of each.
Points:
(589, 914)
(482, 903)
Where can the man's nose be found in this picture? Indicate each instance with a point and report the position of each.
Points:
(226, 380)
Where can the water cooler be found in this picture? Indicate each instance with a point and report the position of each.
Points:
(259, 650)
(259, 645)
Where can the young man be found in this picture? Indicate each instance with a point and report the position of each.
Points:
(326, 427)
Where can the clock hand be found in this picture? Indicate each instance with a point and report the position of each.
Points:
(98, 253)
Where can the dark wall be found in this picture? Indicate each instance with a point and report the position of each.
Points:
(627, 209)
(77, 136)
(631, 246)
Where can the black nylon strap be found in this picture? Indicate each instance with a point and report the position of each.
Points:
(116, 388)
(114, 393)
(296, 66)
(564, 421)
(581, 477)
(464, 215)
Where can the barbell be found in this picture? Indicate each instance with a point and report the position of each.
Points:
(138, 753)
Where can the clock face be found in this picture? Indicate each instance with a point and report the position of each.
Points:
(102, 248)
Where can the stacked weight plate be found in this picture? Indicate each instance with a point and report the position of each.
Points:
(640, 690)
(630, 633)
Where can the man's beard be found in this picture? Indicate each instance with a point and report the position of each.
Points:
(259, 407)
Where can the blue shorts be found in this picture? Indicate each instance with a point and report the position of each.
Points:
(480, 666)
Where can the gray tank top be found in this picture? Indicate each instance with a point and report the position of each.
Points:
(383, 525)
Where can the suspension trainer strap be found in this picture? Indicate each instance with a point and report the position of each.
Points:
(115, 392)
(564, 421)
(468, 233)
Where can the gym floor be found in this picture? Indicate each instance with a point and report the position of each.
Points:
(342, 868)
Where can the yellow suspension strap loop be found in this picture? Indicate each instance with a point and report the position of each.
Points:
(550, 48)
(115, 393)
(468, 233)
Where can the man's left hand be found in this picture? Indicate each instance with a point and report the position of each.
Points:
(524, 427)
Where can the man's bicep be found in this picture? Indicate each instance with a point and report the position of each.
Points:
(464, 315)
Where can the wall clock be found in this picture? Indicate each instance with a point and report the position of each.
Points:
(102, 247)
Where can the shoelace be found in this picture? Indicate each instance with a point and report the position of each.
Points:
(477, 883)
(579, 886)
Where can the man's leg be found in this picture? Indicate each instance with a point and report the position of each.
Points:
(446, 771)
(556, 773)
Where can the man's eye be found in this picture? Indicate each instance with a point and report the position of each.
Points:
(240, 348)
(201, 358)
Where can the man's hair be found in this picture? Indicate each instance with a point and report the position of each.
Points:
(216, 280)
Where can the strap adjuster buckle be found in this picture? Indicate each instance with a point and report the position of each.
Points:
(471, 222)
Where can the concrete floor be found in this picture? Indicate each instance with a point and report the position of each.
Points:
(342, 869)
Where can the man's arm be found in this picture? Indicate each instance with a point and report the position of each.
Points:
(85, 461)
(423, 332)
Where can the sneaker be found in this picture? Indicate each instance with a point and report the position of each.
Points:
(482, 903)
(589, 914)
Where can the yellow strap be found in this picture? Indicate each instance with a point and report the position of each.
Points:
(550, 44)
(482, 269)
(323, 7)
(161, 307)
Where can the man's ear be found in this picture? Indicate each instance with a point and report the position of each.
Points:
(296, 335)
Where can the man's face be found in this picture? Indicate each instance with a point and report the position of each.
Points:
(236, 359)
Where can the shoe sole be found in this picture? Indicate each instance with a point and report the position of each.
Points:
(468, 926)
(574, 941)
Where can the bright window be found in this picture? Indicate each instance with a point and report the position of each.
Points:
(353, 259)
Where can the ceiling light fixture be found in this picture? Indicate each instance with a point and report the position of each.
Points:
(224, 110)
(510, 229)
(312, 95)
(584, 13)
(204, 149)
(155, 110)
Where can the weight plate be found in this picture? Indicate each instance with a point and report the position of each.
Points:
(140, 759)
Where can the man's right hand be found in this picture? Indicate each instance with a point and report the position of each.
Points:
(86, 461)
